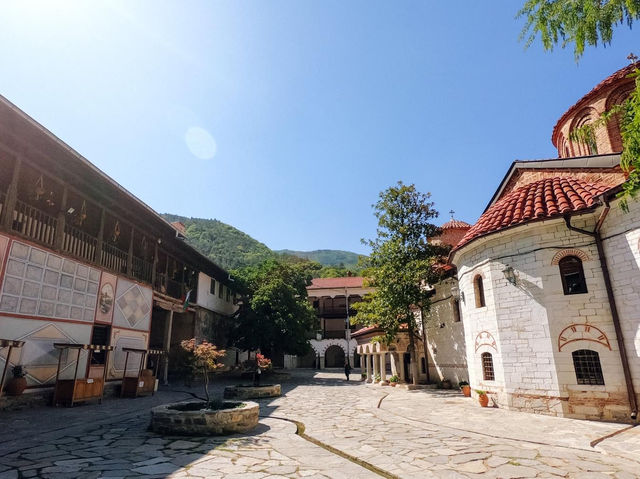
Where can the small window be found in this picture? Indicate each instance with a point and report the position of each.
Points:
(228, 295)
(101, 335)
(572, 275)
(424, 365)
(478, 289)
(220, 288)
(456, 311)
(316, 304)
(587, 366)
(212, 286)
(487, 367)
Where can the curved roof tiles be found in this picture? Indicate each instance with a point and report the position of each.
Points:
(542, 199)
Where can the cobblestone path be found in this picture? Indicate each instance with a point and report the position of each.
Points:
(405, 437)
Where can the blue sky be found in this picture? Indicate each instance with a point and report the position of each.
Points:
(287, 118)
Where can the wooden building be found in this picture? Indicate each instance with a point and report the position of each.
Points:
(82, 260)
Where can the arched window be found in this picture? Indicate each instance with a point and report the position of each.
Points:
(616, 97)
(572, 275)
(587, 145)
(487, 367)
(478, 289)
(587, 366)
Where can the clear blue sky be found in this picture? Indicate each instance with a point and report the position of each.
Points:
(287, 118)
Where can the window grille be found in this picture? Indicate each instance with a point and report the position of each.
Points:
(572, 274)
(487, 367)
(587, 366)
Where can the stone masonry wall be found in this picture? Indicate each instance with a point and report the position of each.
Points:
(522, 325)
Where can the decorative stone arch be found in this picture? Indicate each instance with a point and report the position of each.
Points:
(582, 332)
(321, 347)
(485, 338)
(583, 117)
(569, 252)
(616, 97)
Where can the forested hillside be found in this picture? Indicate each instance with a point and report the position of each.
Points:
(326, 257)
(222, 243)
(231, 248)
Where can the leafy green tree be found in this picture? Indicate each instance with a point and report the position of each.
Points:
(584, 23)
(401, 263)
(274, 314)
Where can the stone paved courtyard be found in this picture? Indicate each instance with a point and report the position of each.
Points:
(371, 431)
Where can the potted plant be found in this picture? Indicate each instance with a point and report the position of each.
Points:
(363, 376)
(17, 385)
(465, 388)
(483, 399)
(377, 378)
(393, 380)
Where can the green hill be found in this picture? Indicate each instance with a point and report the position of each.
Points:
(222, 243)
(326, 257)
(231, 248)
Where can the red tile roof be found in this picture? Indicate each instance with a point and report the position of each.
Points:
(346, 282)
(622, 73)
(542, 199)
(455, 224)
(363, 331)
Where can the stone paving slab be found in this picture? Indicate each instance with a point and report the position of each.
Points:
(411, 435)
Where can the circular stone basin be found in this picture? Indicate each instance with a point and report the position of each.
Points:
(166, 419)
(252, 392)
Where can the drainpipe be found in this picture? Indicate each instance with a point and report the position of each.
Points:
(595, 234)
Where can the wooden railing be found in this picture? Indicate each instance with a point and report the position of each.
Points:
(34, 224)
(141, 269)
(79, 243)
(113, 258)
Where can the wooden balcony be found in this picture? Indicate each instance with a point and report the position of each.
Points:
(114, 259)
(34, 224)
(141, 269)
(79, 244)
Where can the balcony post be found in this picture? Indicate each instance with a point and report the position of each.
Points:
(130, 254)
(12, 196)
(155, 264)
(59, 237)
(100, 238)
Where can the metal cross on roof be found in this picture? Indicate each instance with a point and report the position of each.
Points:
(632, 58)
(451, 213)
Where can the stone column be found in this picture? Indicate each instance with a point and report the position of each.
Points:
(383, 369)
(394, 365)
(321, 362)
(376, 366)
(403, 376)
(367, 362)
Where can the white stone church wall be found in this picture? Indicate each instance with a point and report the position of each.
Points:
(445, 337)
(533, 367)
(621, 234)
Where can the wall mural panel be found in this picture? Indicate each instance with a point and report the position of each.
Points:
(133, 305)
(38, 356)
(43, 284)
(106, 298)
(125, 338)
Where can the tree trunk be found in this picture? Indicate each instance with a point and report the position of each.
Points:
(205, 373)
(412, 353)
(424, 345)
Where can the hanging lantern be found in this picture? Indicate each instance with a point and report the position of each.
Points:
(116, 232)
(39, 190)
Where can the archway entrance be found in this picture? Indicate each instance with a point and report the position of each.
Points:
(334, 357)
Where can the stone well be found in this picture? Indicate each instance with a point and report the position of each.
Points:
(252, 392)
(165, 420)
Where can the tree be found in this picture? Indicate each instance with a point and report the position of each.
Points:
(274, 314)
(205, 357)
(590, 22)
(401, 263)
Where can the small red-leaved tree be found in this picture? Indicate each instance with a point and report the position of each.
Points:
(206, 357)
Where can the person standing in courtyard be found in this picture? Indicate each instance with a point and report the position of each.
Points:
(347, 369)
